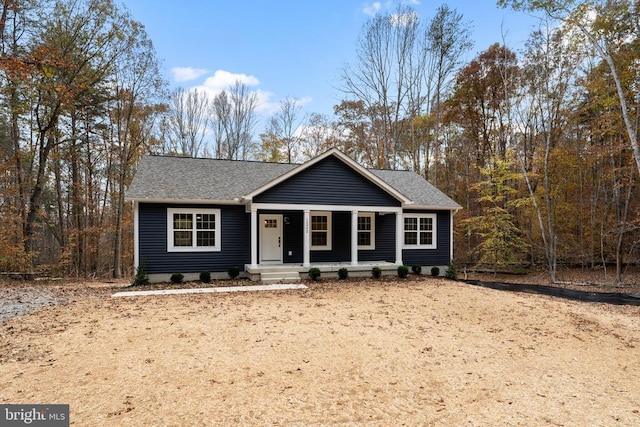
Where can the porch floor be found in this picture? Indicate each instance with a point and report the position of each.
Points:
(362, 269)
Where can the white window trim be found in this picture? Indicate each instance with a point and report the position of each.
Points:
(434, 218)
(372, 231)
(193, 248)
(326, 247)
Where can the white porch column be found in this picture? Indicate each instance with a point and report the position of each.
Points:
(451, 214)
(399, 236)
(306, 238)
(354, 237)
(254, 237)
(136, 234)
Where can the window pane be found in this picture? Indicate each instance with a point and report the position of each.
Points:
(182, 221)
(364, 223)
(206, 238)
(182, 238)
(410, 224)
(426, 224)
(318, 238)
(426, 238)
(410, 238)
(270, 223)
(364, 238)
(319, 222)
(206, 221)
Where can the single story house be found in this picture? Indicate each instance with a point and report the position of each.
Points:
(275, 221)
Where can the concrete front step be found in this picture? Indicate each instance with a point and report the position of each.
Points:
(279, 276)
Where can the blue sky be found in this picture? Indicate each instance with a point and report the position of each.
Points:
(293, 48)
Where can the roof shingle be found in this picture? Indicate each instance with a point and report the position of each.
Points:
(163, 178)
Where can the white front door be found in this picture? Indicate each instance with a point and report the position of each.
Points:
(270, 239)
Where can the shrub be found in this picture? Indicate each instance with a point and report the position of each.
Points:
(141, 277)
(435, 271)
(205, 277)
(314, 273)
(403, 271)
(376, 272)
(452, 271)
(343, 273)
(417, 269)
(177, 278)
(233, 272)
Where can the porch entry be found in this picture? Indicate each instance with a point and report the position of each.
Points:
(270, 239)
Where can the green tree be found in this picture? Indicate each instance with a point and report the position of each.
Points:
(500, 238)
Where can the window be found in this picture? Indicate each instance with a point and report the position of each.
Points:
(321, 230)
(366, 231)
(420, 231)
(193, 230)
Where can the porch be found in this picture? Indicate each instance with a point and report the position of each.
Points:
(278, 273)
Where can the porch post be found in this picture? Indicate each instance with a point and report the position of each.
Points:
(254, 237)
(399, 236)
(136, 234)
(451, 213)
(354, 237)
(305, 240)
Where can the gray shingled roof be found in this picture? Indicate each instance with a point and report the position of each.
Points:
(188, 179)
(420, 191)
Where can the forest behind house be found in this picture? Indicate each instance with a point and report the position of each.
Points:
(538, 144)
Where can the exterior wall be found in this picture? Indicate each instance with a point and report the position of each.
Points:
(329, 182)
(385, 235)
(385, 240)
(236, 237)
(235, 241)
(341, 240)
(432, 257)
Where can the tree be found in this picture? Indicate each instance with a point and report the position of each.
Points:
(137, 85)
(188, 120)
(608, 26)
(548, 75)
(448, 38)
(71, 53)
(383, 76)
(234, 121)
(281, 131)
(318, 135)
(501, 240)
(402, 68)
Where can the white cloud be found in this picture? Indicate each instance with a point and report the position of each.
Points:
(265, 105)
(185, 74)
(222, 80)
(304, 101)
(372, 9)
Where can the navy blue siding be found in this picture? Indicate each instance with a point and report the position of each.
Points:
(340, 240)
(329, 182)
(385, 240)
(236, 240)
(438, 256)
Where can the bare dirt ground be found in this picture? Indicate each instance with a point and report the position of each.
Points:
(417, 352)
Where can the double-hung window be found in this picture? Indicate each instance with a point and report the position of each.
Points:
(366, 230)
(193, 230)
(420, 231)
(320, 230)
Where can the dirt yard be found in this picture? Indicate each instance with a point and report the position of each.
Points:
(426, 352)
